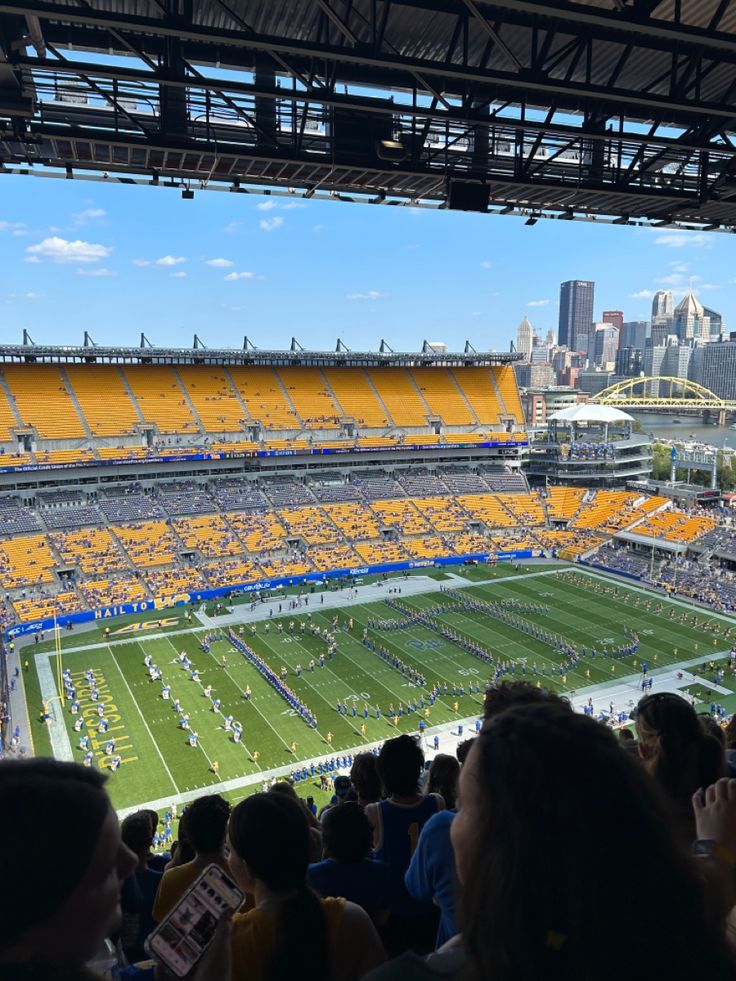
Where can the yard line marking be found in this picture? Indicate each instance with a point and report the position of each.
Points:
(143, 720)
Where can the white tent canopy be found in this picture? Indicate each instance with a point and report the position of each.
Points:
(589, 412)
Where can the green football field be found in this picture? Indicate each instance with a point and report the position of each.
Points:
(578, 608)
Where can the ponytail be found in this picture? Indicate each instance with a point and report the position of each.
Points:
(302, 950)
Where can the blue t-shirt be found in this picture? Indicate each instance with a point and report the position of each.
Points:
(431, 873)
(367, 883)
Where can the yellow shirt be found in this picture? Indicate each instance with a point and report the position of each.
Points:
(254, 938)
(175, 882)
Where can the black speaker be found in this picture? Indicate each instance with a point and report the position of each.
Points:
(355, 135)
(465, 196)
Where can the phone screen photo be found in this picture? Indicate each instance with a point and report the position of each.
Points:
(184, 934)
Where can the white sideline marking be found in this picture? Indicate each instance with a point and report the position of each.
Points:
(60, 744)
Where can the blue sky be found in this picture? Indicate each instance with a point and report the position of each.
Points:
(119, 260)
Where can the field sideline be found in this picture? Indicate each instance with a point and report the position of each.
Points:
(583, 608)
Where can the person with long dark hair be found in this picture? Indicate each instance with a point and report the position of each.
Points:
(678, 752)
(569, 866)
(291, 933)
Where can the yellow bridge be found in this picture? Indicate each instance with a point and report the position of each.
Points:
(662, 393)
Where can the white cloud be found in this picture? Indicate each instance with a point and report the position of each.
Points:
(141, 262)
(178, 275)
(485, 264)
(267, 205)
(232, 227)
(291, 205)
(678, 266)
(170, 260)
(538, 303)
(220, 263)
(32, 296)
(369, 295)
(231, 277)
(317, 228)
(642, 295)
(88, 214)
(61, 250)
(271, 224)
(682, 240)
(33, 259)
(16, 227)
(102, 271)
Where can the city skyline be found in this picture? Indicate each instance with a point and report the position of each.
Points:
(117, 261)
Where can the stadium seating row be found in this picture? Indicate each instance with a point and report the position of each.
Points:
(82, 401)
(132, 560)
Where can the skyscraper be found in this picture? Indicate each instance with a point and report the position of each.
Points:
(634, 334)
(577, 298)
(691, 319)
(524, 338)
(663, 305)
(615, 317)
(714, 365)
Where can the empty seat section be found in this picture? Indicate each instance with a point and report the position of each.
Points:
(356, 521)
(168, 582)
(47, 608)
(401, 514)
(429, 547)
(92, 549)
(64, 456)
(324, 558)
(526, 508)
(376, 553)
(147, 542)
(160, 398)
(480, 391)
(209, 533)
(25, 561)
(43, 401)
(470, 543)
(443, 396)
(103, 398)
(259, 531)
(285, 568)
(311, 524)
(7, 419)
(230, 572)
(213, 397)
(262, 393)
(676, 526)
(604, 506)
(444, 513)
(399, 396)
(313, 402)
(563, 502)
(506, 381)
(113, 592)
(487, 508)
(356, 397)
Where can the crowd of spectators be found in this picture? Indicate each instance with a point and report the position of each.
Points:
(547, 848)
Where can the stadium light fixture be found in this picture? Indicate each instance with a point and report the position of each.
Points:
(393, 151)
(531, 220)
(187, 194)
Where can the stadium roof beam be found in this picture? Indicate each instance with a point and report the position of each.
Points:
(146, 354)
(570, 110)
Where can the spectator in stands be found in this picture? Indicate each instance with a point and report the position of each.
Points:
(678, 753)
(206, 825)
(347, 869)
(61, 894)
(139, 889)
(532, 905)
(365, 778)
(290, 933)
(315, 829)
(394, 821)
(431, 876)
(443, 776)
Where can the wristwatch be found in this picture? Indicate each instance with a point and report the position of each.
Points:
(709, 848)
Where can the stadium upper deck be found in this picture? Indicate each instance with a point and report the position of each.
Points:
(96, 407)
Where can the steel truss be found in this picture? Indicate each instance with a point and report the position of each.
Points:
(589, 110)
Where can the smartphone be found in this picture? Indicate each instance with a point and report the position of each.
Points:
(185, 933)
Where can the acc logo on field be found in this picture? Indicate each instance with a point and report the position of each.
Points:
(131, 628)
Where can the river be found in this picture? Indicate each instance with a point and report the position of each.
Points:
(665, 426)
